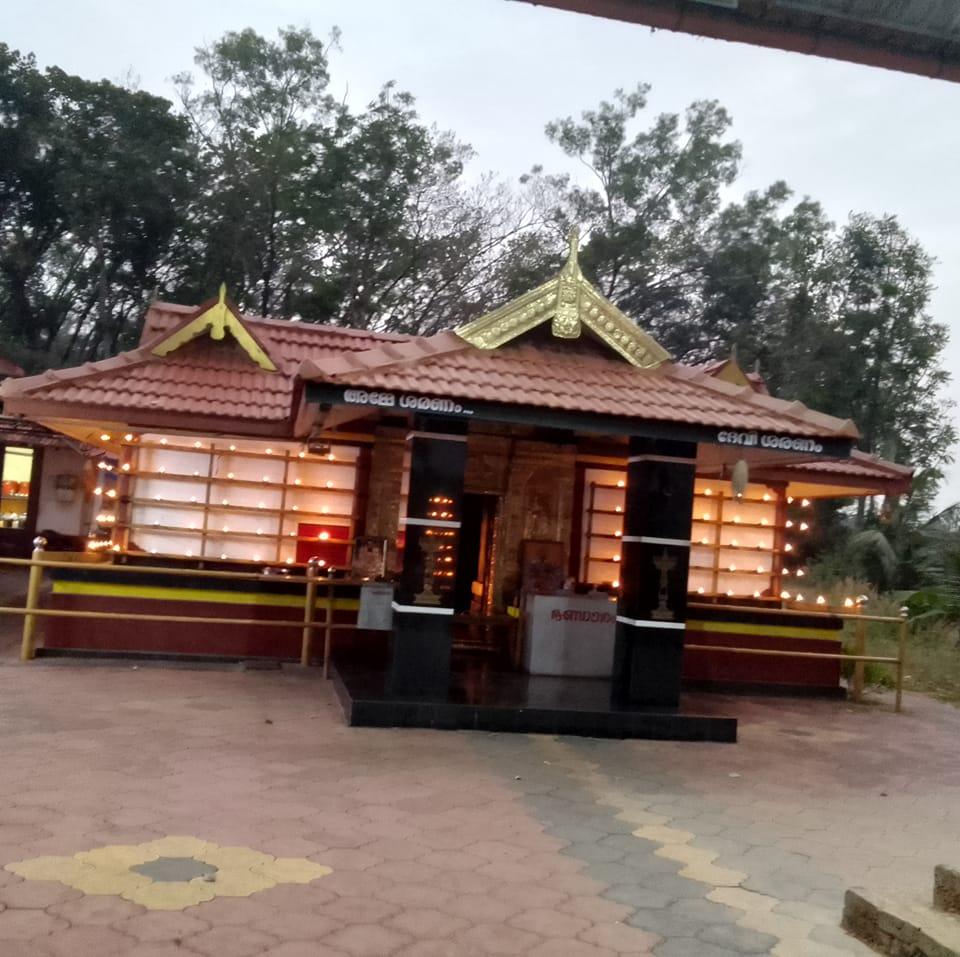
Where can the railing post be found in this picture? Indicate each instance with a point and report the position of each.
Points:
(904, 629)
(33, 600)
(310, 599)
(328, 631)
(859, 648)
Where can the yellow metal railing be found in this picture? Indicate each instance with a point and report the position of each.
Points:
(31, 611)
(859, 658)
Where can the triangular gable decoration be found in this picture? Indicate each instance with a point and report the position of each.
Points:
(217, 319)
(569, 302)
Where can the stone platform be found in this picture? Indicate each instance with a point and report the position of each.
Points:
(479, 699)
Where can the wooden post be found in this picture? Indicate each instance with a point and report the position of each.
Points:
(33, 600)
(310, 600)
(328, 631)
(904, 630)
(859, 648)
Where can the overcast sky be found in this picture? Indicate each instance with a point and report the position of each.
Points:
(855, 138)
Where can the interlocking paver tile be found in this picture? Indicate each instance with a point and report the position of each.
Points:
(88, 942)
(425, 922)
(624, 840)
(498, 939)
(25, 925)
(367, 940)
(620, 937)
(569, 948)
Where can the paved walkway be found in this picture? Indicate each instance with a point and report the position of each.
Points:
(330, 841)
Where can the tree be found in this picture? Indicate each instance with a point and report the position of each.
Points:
(312, 209)
(260, 121)
(652, 198)
(91, 177)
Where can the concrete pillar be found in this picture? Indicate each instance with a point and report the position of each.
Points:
(423, 610)
(654, 565)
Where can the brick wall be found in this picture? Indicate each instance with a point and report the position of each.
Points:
(537, 504)
(386, 476)
(534, 480)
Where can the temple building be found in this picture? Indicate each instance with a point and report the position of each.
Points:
(551, 495)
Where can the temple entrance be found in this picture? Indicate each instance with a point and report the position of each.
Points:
(475, 556)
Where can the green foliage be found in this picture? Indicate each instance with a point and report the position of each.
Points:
(937, 556)
(92, 176)
(310, 208)
(307, 207)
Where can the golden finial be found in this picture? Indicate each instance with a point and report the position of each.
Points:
(218, 314)
(566, 317)
(572, 266)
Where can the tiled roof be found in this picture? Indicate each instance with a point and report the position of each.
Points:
(217, 379)
(859, 464)
(8, 368)
(720, 365)
(203, 378)
(563, 377)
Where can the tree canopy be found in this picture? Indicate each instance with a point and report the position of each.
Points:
(309, 207)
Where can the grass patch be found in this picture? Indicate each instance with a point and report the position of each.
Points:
(933, 663)
(933, 651)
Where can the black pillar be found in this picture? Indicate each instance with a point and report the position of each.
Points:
(654, 564)
(423, 610)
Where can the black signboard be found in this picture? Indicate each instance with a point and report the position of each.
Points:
(391, 401)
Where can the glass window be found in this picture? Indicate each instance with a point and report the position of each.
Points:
(15, 490)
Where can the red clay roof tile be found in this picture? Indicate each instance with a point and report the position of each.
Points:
(208, 378)
(569, 379)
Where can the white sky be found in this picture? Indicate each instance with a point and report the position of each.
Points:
(495, 71)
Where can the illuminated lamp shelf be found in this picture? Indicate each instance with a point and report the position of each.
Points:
(729, 523)
(603, 561)
(609, 535)
(726, 571)
(311, 458)
(604, 511)
(7, 498)
(232, 533)
(619, 488)
(745, 571)
(744, 548)
(250, 509)
(202, 560)
(732, 498)
(240, 483)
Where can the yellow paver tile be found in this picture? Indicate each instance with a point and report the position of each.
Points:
(804, 948)
(100, 881)
(686, 853)
(707, 873)
(230, 857)
(742, 899)
(663, 835)
(62, 869)
(169, 895)
(115, 857)
(177, 845)
(777, 925)
(240, 882)
(292, 870)
(241, 871)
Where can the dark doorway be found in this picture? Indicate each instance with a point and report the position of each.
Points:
(474, 565)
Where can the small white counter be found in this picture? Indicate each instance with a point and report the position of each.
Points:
(570, 635)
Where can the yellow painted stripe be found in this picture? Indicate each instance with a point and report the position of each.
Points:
(773, 631)
(160, 593)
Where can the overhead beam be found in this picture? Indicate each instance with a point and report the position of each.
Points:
(767, 24)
